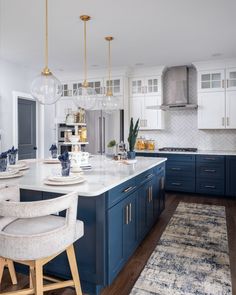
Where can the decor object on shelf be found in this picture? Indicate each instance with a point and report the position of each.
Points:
(110, 103)
(133, 133)
(3, 161)
(79, 159)
(53, 149)
(12, 156)
(46, 88)
(85, 96)
(70, 117)
(65, 164)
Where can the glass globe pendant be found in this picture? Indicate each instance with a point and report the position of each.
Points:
(46, 88)
(85, 95)
(110, 103)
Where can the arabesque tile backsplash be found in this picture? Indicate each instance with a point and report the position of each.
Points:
(181, 131)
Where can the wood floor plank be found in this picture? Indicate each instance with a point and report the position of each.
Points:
(128, 276)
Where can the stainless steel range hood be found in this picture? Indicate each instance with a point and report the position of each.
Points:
(176, 89)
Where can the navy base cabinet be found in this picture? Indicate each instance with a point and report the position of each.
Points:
(231, 176)
(114, 225)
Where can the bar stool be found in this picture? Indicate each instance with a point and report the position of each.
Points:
(8, 192)
(36, 237)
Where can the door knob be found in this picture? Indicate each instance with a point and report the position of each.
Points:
(35, 148)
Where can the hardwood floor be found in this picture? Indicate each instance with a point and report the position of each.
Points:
(127, 277)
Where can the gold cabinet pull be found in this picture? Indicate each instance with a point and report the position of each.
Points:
(128, 189)
(130, 212)
(151, 193)
(126, 214)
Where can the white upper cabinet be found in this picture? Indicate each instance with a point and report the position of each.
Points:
(217, 98)
(145, 94)
(231, 79)
(211, 81)
(141, 86)
(116, 85)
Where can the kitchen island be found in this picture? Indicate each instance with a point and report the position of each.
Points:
(118, 203)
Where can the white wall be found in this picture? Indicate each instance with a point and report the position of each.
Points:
(12, 78)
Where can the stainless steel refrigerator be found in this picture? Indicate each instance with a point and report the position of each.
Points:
(102, 128)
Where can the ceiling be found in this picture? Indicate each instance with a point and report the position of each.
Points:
(148, 32)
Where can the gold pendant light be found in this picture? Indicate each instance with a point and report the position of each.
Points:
(46, 88)
(86, 96)
(110, 103)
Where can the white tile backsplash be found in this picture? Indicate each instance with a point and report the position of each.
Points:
(181, 131)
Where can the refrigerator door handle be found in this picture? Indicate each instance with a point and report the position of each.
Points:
(100, 134)
(104, 134)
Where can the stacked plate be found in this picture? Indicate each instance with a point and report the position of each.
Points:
(64, 180)
(51, 161)
(11, 173)
(20, 166)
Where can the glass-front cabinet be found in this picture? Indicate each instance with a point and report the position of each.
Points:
(231, 79)
(148, 85)
(212, 81)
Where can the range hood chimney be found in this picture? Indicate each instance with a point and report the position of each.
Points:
(176, 89)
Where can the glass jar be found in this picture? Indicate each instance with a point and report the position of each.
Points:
(140, 143)
(150, 145)
(83, 136)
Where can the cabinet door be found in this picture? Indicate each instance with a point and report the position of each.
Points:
(211, 110)
(230, 109)
(153, 85)
(116, 85)
(137, 87)
(231, 79)
(231, 176)
(211, 81)
(136, 110)
(129, 229)
(154, 119)
(117, 219)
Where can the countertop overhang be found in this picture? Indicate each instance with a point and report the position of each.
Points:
(199, 152)
(104, 175)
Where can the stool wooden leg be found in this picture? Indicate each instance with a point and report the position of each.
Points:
(38, 278)
(2, 265)
(12, 271)
(74, 269)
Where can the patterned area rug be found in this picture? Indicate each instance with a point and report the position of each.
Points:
(191, 257)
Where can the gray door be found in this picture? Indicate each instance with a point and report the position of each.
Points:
(26, 129)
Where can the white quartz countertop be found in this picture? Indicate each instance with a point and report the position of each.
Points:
(104, 175)
(199, 152)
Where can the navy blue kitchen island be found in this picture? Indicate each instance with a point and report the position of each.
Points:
(116, 222)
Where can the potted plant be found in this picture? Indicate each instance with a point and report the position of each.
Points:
(133, 133)
(111, 148)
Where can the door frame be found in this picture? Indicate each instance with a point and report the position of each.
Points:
(39, 122)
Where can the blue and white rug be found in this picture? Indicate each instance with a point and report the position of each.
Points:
(192, 256)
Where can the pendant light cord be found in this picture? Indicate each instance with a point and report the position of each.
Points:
(109, 64)
(46, 70)
(85, 54)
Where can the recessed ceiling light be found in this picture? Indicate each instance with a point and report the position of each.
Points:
(217, 54)
(139, 64)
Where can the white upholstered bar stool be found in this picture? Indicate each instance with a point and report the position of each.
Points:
(36, 237)
(8, 192)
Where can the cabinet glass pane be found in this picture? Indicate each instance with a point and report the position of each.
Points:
(155, 89)
(116, 82)
(116, 89)
(216, 84)
(206, 85)
(232, 83)
(232, 75)
(206, 77)
(216, 76)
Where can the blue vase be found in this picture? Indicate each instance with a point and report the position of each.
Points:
(12, 159)
(131, 155)
(54, 154)
(65, 168)
(3, 164)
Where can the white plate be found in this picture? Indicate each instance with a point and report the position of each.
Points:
(59, 183)
(19, 165)
(9, 172)
(51, 161)
(12, 175)
(60, 178)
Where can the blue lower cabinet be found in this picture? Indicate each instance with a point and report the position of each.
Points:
(210, 186)
(181, 184)
(231, 176)
(122, 234)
